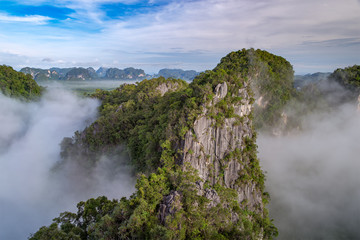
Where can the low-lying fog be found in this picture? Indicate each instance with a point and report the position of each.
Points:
(88, 85)
(313, 177)
(30, 134)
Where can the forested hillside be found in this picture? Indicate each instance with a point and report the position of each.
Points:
(348, 77)
(195, 147)
(271, 78)
(19, 85)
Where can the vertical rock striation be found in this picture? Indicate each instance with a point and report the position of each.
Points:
(220, 141)
(208, 145)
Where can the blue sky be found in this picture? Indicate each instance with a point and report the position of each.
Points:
(314, 35)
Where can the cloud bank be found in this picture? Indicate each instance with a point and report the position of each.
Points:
(30, 135)
(313, 177)
(312, 35)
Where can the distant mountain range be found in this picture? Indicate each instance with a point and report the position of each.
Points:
(303, 80)
(177, 73)
(81, 74)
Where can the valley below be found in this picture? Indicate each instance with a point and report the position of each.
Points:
(161, 145)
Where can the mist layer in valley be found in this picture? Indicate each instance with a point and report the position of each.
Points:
(84, 86)
(32, 193)
(313, 174)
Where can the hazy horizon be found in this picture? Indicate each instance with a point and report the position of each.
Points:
(157, 71)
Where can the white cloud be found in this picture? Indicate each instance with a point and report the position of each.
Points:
(34, 19)
(214, 26)
(222, 25)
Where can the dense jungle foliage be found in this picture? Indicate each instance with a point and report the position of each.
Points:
(271, 78)
(348, 77)
(19, 85)
(152, 126)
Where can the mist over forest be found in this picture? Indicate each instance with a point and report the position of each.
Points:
(312, 170)
(32, 194)
(313, 177)
(196, 119)
(307, 147)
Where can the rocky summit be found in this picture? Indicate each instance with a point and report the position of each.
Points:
(194, 149)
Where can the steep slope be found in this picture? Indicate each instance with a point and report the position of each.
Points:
(195, 147)
(46, 74)
(187, 75)
(41, 74)
(348, 77)
(19, 85)
(271, 78)
(321, 93)
(127, 73)
(101, 72)
(79, 73)
(76, 74)
(301, 81)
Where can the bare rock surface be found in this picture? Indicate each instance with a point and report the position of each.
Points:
(208, 144)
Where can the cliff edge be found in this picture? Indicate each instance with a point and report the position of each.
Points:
(195, 147)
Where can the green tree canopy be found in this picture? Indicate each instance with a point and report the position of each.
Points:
(17, 84)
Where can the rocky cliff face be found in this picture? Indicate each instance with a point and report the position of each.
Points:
(41, 74)
(220, 142)
(209, 144)
(127, 73)
(76, 74)
(84, 74)
(194, 145)
(167, 87)
(219, 151)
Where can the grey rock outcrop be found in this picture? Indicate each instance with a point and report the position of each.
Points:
(171, 204)
(167, 87)
(213, 196)
(207, 148)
